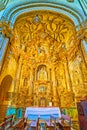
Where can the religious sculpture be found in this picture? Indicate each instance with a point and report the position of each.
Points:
(42, 74)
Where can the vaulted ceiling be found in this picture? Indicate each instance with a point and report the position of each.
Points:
(76, 10)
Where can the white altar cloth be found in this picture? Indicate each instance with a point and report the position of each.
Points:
(44, 113)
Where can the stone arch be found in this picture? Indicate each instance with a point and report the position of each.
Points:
(5, 87)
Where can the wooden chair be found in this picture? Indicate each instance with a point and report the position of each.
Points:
(34, 125)
(49, 125)
(7, 123)
(20, 125)
(2, 126)
(62, 125)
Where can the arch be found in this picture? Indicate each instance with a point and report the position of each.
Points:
(13, 11)
(5, 86)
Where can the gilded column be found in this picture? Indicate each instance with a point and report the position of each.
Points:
(16, 88)
(67, 74)
(55, 100)
(83, 65)
(48, 74)
(82, 53)
(65, 78)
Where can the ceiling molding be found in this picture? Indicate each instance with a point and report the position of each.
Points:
(70, 0)
(14, 10)
(83, 5)
(3, 4)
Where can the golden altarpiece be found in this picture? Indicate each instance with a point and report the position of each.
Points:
(45, 62)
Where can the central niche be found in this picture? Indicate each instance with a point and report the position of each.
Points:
(42, 73)
(42, 88)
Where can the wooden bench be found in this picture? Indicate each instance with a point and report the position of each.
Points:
(7, 122)
(20, 125)
(62, 125)
(2, 126)
(49, 125)
(33, 125)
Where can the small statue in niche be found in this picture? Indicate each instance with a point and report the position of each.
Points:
(42, 74)
(41, 51)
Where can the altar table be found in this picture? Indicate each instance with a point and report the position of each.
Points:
(33, 113)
